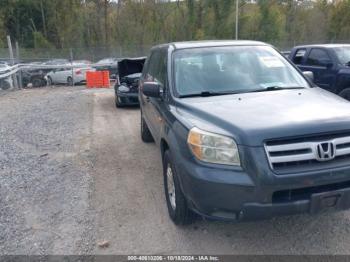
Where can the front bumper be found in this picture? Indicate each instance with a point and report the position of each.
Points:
(254, 192)
(318, 202)
(128, 98)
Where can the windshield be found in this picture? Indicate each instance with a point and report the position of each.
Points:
(106, 61)
(343, 54)
(233, 69)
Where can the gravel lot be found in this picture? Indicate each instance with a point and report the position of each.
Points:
(74, 172)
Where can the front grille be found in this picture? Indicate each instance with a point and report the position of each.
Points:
(308, 153)
(305, 193)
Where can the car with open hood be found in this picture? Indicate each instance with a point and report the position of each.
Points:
(243, 133)
(126, 86)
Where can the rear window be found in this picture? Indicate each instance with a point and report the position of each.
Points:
(299, 56)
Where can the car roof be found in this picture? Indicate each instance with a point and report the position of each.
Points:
(210, 43)
(322, 45)
(133, 58)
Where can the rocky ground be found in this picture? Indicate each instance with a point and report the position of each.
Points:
(74, 174)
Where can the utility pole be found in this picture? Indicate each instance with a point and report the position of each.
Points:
(9, 44)
(237, 10)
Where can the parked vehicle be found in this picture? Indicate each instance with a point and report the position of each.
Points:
(126, 86)
(329, 63)
(69, 76)
(34, 77)
(242, 133)
(5, 82)
(108, 64)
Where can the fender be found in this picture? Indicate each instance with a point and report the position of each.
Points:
(171, 134)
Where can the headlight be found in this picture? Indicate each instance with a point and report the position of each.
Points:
(213, 148)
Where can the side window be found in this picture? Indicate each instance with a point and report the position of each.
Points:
(162, 72)
(152, 67)
(156, 68)
(299, 55)
(318, 57)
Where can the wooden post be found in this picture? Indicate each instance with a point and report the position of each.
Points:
(9, 44)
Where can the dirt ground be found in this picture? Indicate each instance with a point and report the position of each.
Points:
(74, 173)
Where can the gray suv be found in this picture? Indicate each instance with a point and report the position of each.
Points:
(243, 134)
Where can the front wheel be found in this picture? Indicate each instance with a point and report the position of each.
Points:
(118, 102)
(345, 93)
(178, 209)
(37, 82)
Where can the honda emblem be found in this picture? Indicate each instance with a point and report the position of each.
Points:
(325, 151)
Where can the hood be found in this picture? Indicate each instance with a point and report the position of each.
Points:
(130, 66)
(252, 118)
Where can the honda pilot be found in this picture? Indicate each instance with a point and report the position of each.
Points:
(243, 133)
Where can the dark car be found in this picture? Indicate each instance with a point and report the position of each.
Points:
(108, 64)
(330, 64)
(243, 134)
(34, 77)
(126, 86)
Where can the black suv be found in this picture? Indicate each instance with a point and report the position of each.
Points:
(330, 64)
(243, 134)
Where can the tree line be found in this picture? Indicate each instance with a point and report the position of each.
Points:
(62, 24)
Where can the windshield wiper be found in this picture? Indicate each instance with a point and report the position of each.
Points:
(209, 93)
(276, 88)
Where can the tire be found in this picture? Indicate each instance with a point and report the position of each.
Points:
(49, 81)
(4, 84)
(178, 209)
(146, 135)
(70, 81)
(118, 102)
(345, 93)
(37, 82)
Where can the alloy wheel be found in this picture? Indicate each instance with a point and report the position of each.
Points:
(171, 187)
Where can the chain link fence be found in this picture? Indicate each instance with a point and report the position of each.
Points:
(29, 63)
(91, 54)
(33, 56)
(96, 53)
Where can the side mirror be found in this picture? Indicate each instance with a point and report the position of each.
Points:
(151, 89)
(309, 75)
